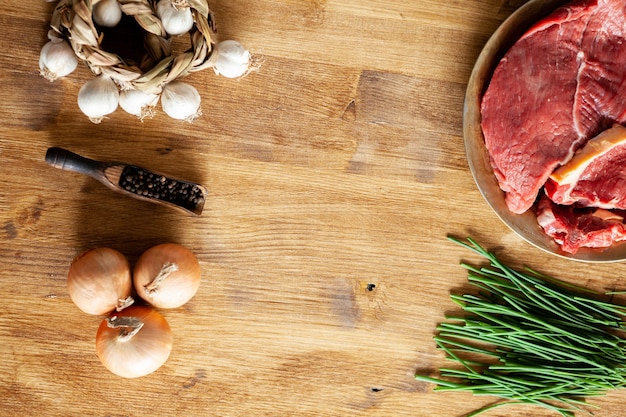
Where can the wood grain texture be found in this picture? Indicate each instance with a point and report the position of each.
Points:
(335, 174)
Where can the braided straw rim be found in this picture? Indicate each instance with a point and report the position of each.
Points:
(72, 20)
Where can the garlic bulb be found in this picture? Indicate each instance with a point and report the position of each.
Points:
(98, 97)
(181, 101)
(107, 13)
(176, 20)
(232, 59)
(138, 103)
(57, 59)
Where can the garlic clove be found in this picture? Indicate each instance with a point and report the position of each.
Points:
(57, 59)
(107, 13)
(176, 20)
(233, 60)
(181, 101)
(138, 103)
(98, 97)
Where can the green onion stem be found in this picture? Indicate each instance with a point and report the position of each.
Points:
(528, 338)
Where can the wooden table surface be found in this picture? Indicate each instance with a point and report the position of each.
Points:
(335, 174)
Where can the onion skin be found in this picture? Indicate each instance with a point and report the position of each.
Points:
(178, 287)
(138, 355)
(98, 279)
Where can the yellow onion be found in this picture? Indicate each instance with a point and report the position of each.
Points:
(99, 281)
(134, 342)
(167, 275)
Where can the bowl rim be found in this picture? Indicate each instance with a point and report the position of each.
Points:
(524, 225)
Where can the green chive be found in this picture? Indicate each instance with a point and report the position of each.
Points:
(528, 338)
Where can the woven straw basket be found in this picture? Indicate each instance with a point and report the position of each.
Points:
(72, 20)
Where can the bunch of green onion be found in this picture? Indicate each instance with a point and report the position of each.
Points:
(530, 339)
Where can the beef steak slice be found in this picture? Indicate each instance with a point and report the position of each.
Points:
(573, 228)
(595, 176)
(555, 88)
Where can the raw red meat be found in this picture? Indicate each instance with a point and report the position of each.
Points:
(596, 175)
(560, 84)
(573, 228)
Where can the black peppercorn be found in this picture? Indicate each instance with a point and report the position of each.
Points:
(145, 183)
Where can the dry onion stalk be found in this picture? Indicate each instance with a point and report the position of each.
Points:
(79, 22)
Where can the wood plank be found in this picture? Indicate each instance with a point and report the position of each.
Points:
(335, 174)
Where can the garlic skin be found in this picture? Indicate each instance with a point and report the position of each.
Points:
(176, 20)
(181, 101)
(57, 59)
(138, 103)
(98, 97)
(233, 60)
(107, 13)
